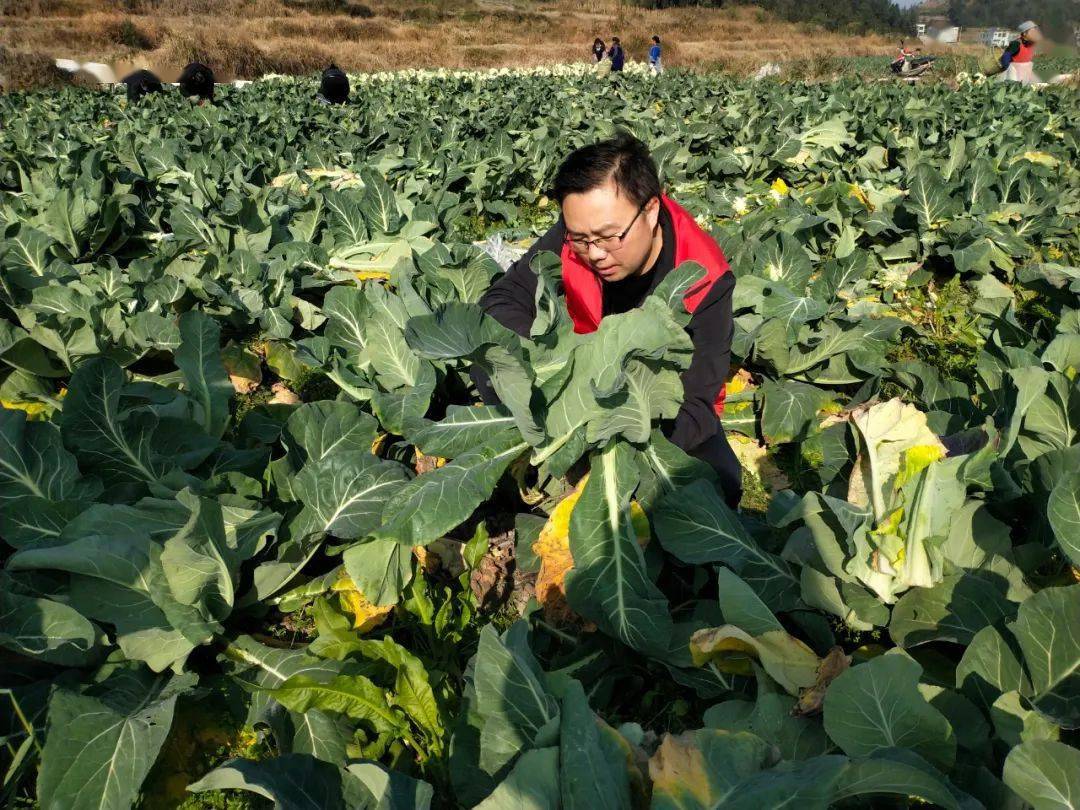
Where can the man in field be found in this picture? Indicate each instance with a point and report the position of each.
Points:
(618, 237)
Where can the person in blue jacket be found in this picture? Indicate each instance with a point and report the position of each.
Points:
(616, 54)
(654, 55)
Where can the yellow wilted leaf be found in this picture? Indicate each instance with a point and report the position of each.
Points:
(832, 666)
(442, 555)
(519, 471)
(281, 394)
(854, 190)
(339, 178)
(916, 459)
(887, 430)
(33, 410)
(366, 616)
(780, 187)
(755, 458)
(553, 549)
(376, 445)
(372, 275)
(244, 368)
(739, 382)
(678, 768)
(424, 464)
(1042, 158)
(786, 659)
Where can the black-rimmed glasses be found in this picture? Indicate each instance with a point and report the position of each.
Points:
(605, 243)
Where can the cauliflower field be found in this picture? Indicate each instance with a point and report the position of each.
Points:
(261, 546)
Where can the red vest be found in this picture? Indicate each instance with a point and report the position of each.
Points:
(1026, 52)
(584, 293)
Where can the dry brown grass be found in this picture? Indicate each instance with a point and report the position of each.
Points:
(246, 38)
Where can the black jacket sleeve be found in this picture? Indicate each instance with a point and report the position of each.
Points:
(512, 299)
(711, 329)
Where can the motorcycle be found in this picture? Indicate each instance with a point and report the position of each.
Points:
(910, 65)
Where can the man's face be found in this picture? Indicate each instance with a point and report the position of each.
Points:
(604, 212)
(1032, 36)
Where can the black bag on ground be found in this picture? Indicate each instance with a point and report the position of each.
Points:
(197, 80)
(141, 83)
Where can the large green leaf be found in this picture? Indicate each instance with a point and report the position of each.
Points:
(877, 705)
(93, 427)
(390, 789)
(462, 429)
(1044, 628)
(774, 718)
(380, 569)
(532, 784)
(1045, 774)
(33, 461)
(954, 610)
(101, 744)
(199, 358)
(586, 778)
(649, 394)
(609, 583)
(991, 666)
(117, 579)
(432, 504)
(344, 494)
(928, 198)
(47, 630)
(260, 668)
(789, 409)
(1063, 511)
(694, 524)
(317, 430)
(378, 204)
(517, 711)
(353, 696)
(291, 782)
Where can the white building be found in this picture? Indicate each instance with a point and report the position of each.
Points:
(996, 37)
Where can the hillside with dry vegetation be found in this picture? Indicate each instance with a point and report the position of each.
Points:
(248, 38)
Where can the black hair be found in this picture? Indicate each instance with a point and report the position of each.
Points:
(197, 80)
(597, 41)
(624, 159)
(141, 83)
(334, 86)
(656, 40)
(615, 40)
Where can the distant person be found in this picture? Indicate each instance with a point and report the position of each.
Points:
(598, 49)
(197, 81)
(654, 56)
(140, 83)
(334, 87)
(616, 54)
(1016, 61)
